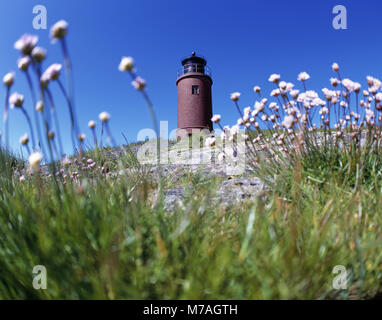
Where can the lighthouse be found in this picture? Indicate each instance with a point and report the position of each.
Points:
(194, 84)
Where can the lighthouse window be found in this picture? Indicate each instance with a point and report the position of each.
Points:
(195, 89)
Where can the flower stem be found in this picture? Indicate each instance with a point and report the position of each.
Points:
(5, 119)
(34, 101)
(75, 131)
(30, 124)
(54, 115)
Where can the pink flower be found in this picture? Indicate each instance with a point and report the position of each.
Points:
(335, 67)
(26, 43)
(38, 54)
(288, 122)
(23, 63)
(52, 73)
(275, 78)
(126, 64)
(235, 96)
(59, 30)
(303, 76)
(139, 83)
(9, 79)
(216, 118)
(16, 100)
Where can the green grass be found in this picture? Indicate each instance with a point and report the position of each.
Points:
(106, 238)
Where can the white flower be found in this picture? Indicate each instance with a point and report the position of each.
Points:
(24, 139)
(126, 64)
(283, 85)
(334, 82)
(34, 161)
(138, 83)
(9, 79)
(53, 72)
(104, 116)
(91, 124)
(216, 118)
(329, 94)
(348, 84)
(374, 82)
(247, 110)
(307, 97)
(221, 157)
(22, 178)
(245, 137)
(44, 80)
(38, 54)
(370, 80)
(289, 86)
(324, 110)
(369, 115)
(235, 96)
(357, 87)
(16, 100)
(39, 106)
(275, 92)
(303, 76)
(257, 89)
(273, 105)
(318, 102)
(81, 137)
(234, 130)
(26, 43)
(288, 122)
(373, 90)
(210, 141)
(378, 97)
(59, 30)
(294, 94)
(259, 107)
(23, 63)
(275, 78)
(335, 67)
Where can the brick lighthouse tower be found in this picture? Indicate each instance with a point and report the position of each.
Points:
(194, 96)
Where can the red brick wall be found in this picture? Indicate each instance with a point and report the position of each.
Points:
(194, 111)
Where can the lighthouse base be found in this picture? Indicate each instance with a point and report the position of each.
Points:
(182, 133)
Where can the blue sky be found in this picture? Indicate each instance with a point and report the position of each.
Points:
(243, 41)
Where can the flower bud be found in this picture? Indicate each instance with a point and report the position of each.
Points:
(24, 139)
(59, 30)
(38, 54)
(16, 100)
(34, 161)
(39, 106)
(104, 116)
(335, 67)
(126, 64)
(23, 63)
(9, 79)
(235, 96)
(91, 124)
